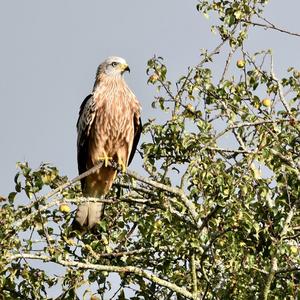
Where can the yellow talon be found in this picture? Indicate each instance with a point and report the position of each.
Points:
(106, 160)
(123, 166)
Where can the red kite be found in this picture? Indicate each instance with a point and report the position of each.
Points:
(109, 128)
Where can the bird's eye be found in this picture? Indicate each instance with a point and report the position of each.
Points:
(114, 64)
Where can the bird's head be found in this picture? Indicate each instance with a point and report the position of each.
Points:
(114, 66)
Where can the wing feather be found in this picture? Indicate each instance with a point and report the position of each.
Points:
(86, 118)
(137, 123)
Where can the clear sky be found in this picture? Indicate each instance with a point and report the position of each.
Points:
(50, 51)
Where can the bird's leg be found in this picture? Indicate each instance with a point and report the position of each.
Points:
(122, 164)
(123, 169)
(105, 158)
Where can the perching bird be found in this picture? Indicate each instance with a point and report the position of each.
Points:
(109, 128)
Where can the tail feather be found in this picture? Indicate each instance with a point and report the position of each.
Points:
(95, 185)
(88, 214)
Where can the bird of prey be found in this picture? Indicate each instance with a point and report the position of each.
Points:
(108, 128)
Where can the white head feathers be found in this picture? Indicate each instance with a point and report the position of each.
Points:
(113, 66)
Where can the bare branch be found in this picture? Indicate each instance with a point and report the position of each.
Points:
(280, 89)
(269, 25)
(250, 124)
(227, 63)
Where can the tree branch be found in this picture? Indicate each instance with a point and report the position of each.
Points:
(270, 26)
(194, 275)
(280, 89)
(173, 190)
(126, 269)
(274, 261)
(250, 124)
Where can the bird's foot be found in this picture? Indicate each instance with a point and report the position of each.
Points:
(122, 165)
(106, 159)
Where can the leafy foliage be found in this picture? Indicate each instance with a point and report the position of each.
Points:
(218, 215)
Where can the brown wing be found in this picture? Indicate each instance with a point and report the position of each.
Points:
(86, 118)
(137, 123)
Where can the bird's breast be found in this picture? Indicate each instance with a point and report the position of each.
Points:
(114, 121)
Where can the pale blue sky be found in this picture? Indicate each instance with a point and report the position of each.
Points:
(50, 51)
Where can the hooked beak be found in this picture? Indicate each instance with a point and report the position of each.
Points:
(124, 68)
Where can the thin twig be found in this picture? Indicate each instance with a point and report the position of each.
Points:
(194, 274)
(203, 61)
(173, 190)
(68, 184)
(280, 89)
(227, 63)
(269, 25)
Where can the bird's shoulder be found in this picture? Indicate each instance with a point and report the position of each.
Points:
(133, 100)
(86, 116)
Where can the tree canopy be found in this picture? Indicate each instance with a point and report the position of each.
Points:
(217, 215)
